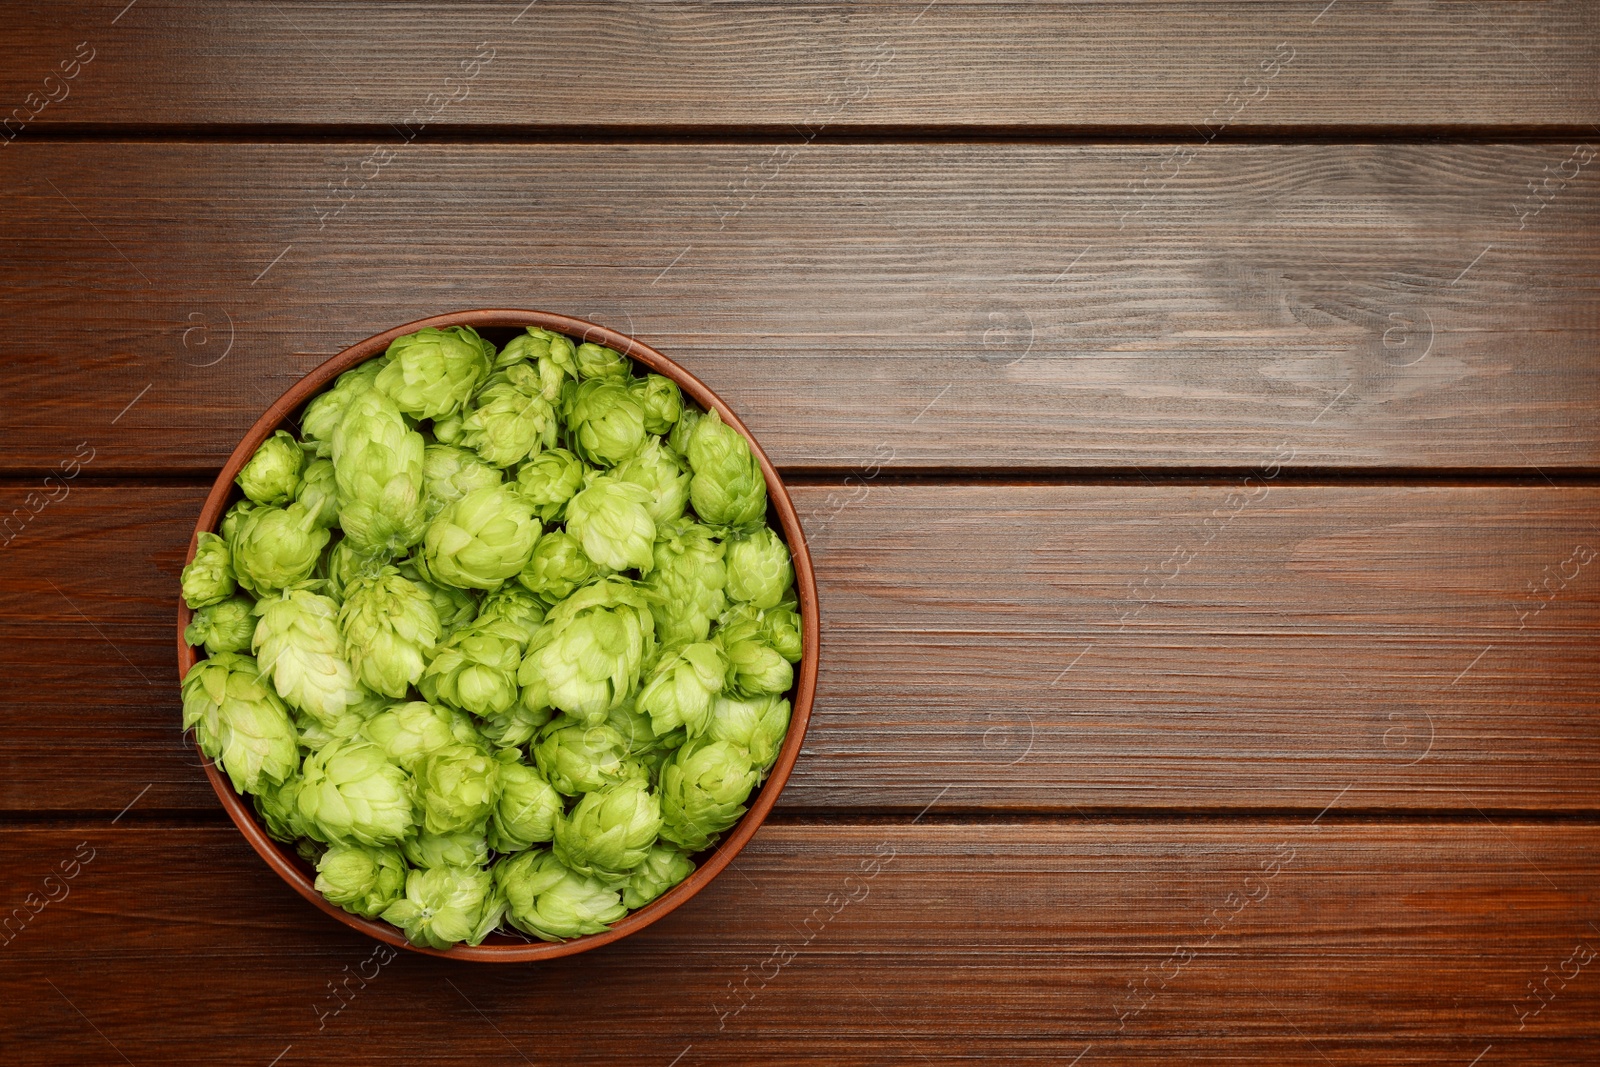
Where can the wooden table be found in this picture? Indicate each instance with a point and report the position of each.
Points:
(1193, 409)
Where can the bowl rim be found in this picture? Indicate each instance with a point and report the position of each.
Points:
(288, 865)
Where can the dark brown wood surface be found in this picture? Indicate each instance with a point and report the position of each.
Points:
(1109, 67)
(1192, 408)
(859, 944)
(1041, 648)
(925, 305)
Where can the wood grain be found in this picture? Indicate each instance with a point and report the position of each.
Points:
(1292, 762)
(911, 305)
(1392, 648)
(1028, 66)
(1410, 943)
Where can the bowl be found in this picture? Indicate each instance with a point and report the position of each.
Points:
(501, 947)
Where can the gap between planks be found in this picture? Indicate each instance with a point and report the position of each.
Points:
(814, 475)
(169, 819)
(659, 133)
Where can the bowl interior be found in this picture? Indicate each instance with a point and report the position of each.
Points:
(500, 326)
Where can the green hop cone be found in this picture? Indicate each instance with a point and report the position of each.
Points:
(371, 704)
(683, 429)
(432, 372)
(663, 474)
(481, 540)
(456, 607)
(280, 812)
(319, 493)
(352, 793)
(688, 579)
(605, 423)
(755, 668)
(448, 431)
(661, 400)
(521, 375)
(609, 832)
(611, 519)
(234, 518)
(551, 352)
(272, 476)
(607, 364)
(656, 760)
(463, 848)
(390, 627)
(703, 790)
(409, 733)
(522, 348)
(298, 643)
(366, 706)
(552, 902)
(446, 905)
(475, 669)
(457, 786)
(679, 691)
(756, 725)
(377, 464)
(780, 629)
(450, 473)
(326, 410)
(239, 722)
(663, 868)
(226, 626)
(347, 562)
(514, 604)
(590, 651)
(538, 362)
(515, 726)
(549, 480)
(556, 372)
(576, 759)
(525, 811)
(208, 578)
(728, 488)
(760, 571)
(361, 880)
(639, 734)
(275, 548)
(316, 735)
(505, 425)
(557, 567)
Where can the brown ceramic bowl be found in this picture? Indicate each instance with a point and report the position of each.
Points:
(502, 948)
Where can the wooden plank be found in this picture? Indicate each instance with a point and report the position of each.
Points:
(857, 944)
(920, 306)
(1232, 646)
(1102, 66)
(1387, 648)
